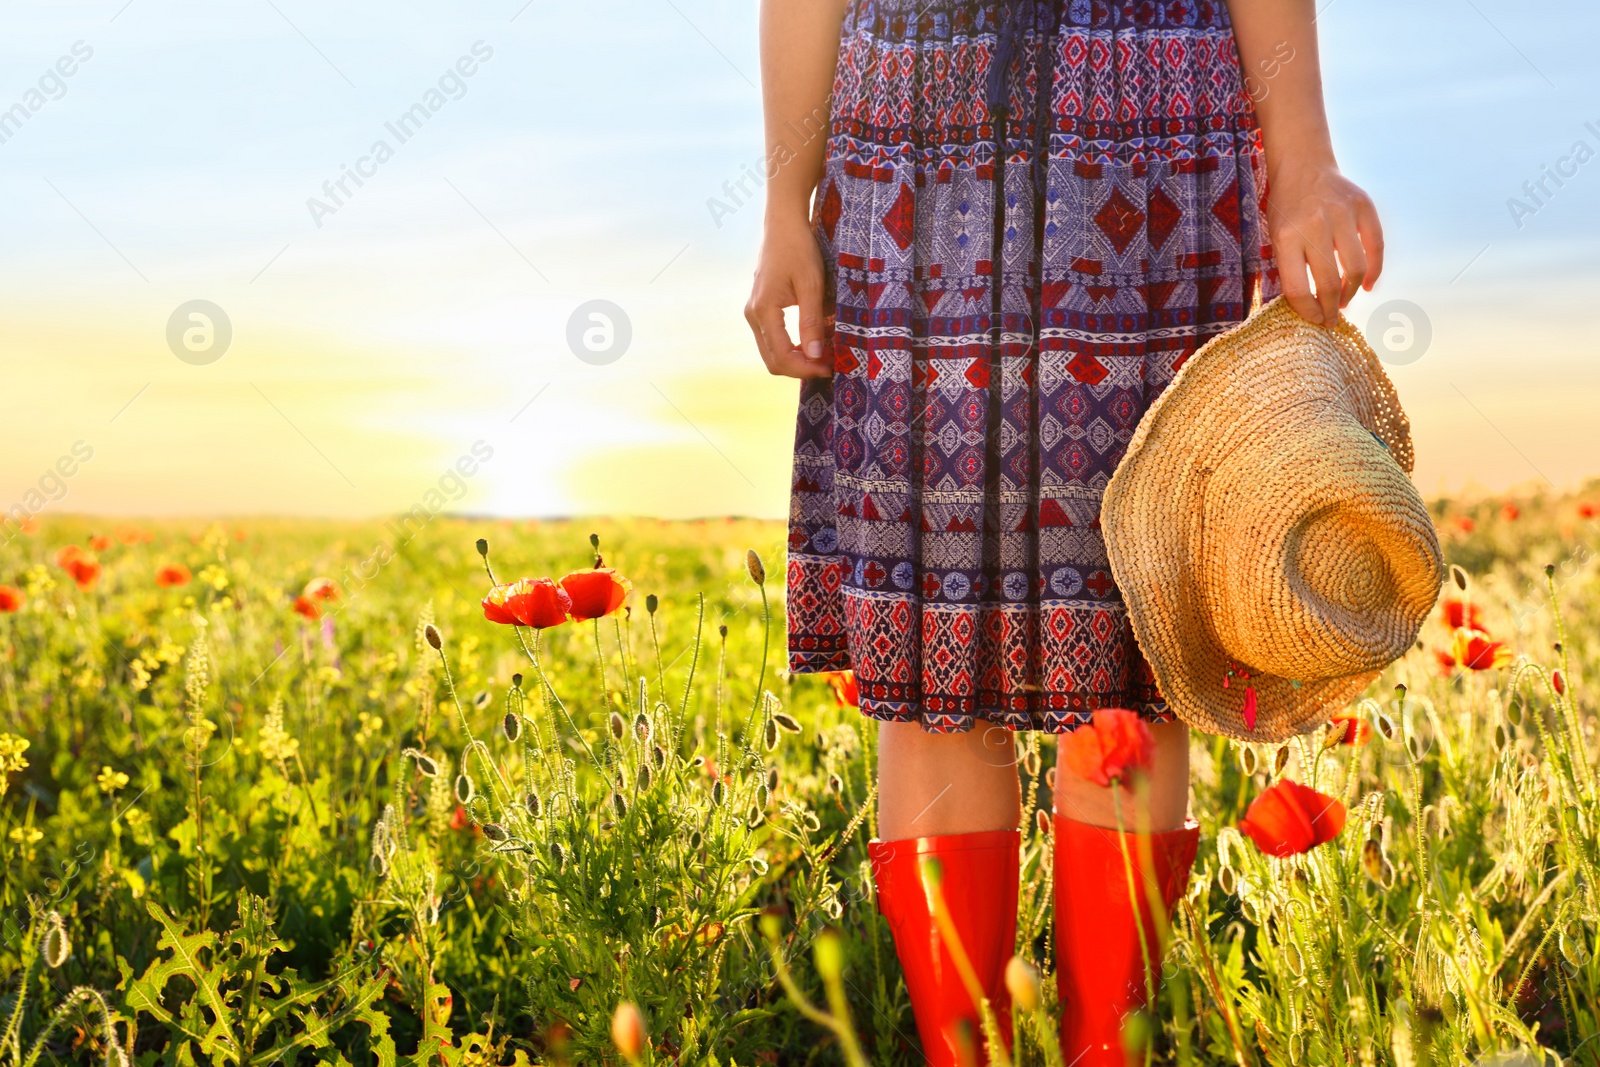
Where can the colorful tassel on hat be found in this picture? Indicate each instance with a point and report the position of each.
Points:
(1250, 707)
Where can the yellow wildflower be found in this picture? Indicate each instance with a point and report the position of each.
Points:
(110, 781)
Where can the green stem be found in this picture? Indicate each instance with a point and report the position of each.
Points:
(1133, 899)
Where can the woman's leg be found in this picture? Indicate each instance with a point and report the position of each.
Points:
(1108, 934)
(1167, 781)
(932, 785)
(953, 799)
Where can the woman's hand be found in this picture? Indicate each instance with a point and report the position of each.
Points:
(789, 273)
(1323, 223)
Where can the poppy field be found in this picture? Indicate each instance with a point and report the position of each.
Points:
(496, 793)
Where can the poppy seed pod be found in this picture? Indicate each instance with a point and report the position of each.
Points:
(651, 602)
(516, 681)
(483, 548)
(722, 631)
(435, 639)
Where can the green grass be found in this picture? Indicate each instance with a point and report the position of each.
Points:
(279, 880)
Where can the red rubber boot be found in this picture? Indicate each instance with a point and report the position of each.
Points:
(979, 884)
(1099, 969)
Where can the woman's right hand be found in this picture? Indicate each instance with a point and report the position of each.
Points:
(789, 273)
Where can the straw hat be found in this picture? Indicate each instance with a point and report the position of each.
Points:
(1264, 531)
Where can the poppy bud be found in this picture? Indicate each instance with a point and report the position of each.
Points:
(829, 955)
(628, 1031)
(483, 548)
(1559, 680)
(1022, 982)
(56, 945)
(1282, 760)
(752, 562)
(641, 726)
(495, 832)
(516, 681)
(426, 765)
(658, 756)
(618, 727)
(619, 802)
(755, 818)
(430, 633)
(835, 784)
(512, 725)
(644, 776)
(772, 779)
(786, 722)
(533, 805)
(651, 602)
(558, 854)
(481, 700)
(719, 793)
(722, 631)
(594, 541)
(465, 790)
(694, 841)
(770, 735)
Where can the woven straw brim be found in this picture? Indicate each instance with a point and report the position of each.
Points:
(1319, 556)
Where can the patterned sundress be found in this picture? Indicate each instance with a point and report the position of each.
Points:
(992, 355)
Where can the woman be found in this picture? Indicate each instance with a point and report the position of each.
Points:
(974, 364)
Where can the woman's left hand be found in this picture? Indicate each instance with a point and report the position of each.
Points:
(1322, 222)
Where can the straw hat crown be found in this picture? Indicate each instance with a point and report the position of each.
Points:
(1264, 530)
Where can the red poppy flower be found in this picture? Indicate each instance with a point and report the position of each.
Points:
(536, 602)
(307, 607)
(83, 567)
(321, 589)
(1510, 513)
(1557, 679)
(173, 574)
(845, 689)
(1459, 613)
(1586, 510)
(1447, 662)
(459, 820)
(100, 543)
(29, 526)
(1108, 747)
(1466, 524)
(1289, 818)
(11, 599)
(1357, 730)
(1474, 650)
(595, 592)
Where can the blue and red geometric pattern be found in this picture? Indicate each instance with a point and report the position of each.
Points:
(1001, 322)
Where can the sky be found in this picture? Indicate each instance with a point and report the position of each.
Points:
(385, 332)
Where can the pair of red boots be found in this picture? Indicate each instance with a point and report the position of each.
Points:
(1100, 974)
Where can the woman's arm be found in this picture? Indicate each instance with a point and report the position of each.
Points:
(799, 47)
(1318, 219)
